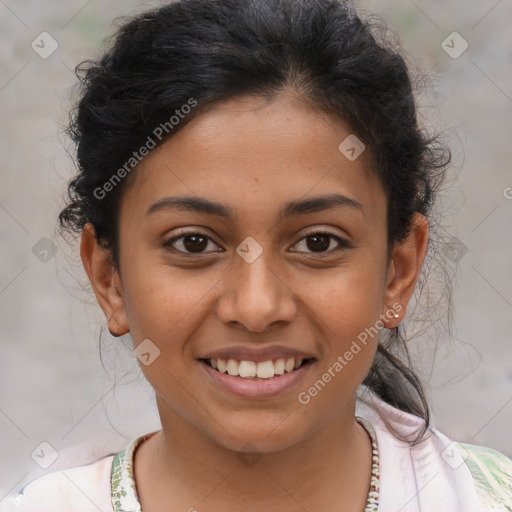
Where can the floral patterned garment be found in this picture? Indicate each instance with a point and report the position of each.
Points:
(492, 472)
(124, 491)
(490, 469)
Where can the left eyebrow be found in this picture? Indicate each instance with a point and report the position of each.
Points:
(319, 203)
(292, 208)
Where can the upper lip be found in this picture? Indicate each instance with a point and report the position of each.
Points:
(241, 353)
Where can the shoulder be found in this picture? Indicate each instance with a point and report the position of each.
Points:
(492, 474)
(84, 488)
(436, 473)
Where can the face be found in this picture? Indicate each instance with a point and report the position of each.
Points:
(270, 265)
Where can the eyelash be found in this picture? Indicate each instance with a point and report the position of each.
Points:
(342, 243)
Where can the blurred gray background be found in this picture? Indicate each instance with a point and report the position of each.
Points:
(53, 386)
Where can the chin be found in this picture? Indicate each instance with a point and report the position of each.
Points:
(247, 435)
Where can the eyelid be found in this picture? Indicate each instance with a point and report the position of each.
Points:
(323, 231)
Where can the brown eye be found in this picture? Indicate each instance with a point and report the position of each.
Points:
(190, 243)
(195, 243)
(320, 241)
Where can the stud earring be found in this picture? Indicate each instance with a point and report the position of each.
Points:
(396, 315)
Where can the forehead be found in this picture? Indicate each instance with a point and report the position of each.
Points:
(253, 153)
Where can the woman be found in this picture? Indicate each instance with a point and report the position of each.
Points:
(253, 202)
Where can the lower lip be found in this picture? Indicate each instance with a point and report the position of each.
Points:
(248, 388)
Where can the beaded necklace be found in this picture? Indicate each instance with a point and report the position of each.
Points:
(372, 501)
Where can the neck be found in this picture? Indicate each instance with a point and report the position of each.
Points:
(182, 468)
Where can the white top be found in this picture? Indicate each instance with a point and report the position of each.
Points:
(436, 475)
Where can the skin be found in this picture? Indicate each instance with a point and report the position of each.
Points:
(254, 156)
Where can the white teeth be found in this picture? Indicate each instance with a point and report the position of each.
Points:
(247, 369)
(265, 369)
(279, 366)
(220, 364)
(232, 367)
(262, 370)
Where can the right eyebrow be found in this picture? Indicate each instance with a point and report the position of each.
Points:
(194, 204)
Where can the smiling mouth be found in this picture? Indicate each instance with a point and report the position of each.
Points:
(257, 370)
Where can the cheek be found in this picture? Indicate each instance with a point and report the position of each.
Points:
(349, 298)
(347, 311)
(161, 298)
(347, 307)
(166, 305)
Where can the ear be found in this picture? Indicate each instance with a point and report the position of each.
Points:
(404, 269)
(105, 281)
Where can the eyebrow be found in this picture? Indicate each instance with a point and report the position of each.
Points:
(290, 209)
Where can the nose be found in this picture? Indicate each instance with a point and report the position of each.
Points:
(257, 295)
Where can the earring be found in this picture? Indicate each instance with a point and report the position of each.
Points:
(396, 315)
